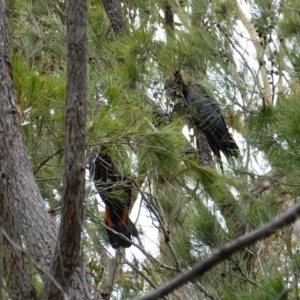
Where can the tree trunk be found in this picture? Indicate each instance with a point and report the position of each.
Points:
(67, 252)
(22, 210)
(114, 12)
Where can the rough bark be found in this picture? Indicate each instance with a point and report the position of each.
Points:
(22, 209)
(67, 252)
(114, 12)
(16, 275)
(20, 196)
(203, 149)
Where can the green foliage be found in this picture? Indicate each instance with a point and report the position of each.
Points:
(289, 25)
(224, 8)
(42, 101)
(155, 150)
(270, 289)
(261, 213)
(263, 18)
(207, 230)
(260, 125)
(287, 121)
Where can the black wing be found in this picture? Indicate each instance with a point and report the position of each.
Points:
(209, 119)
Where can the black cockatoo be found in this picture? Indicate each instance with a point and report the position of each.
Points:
(115, 191)
(206, 115)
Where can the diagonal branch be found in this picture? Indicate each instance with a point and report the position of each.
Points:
(224, 252)
(46, 160)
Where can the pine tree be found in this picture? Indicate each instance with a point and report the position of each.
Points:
(247, 56)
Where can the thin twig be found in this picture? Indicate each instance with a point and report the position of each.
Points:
(140, 273)
(150, 257)
(47, 159)
(162, 223)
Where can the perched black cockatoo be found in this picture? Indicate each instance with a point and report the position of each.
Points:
(206, 114)
(115, 191)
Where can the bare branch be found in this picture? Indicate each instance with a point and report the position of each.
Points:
(224, 252)
(113, 268)
(282, 295)
(140, 273)
(47, 159)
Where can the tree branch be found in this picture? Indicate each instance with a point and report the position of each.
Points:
(47, 159)
(224, 252)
